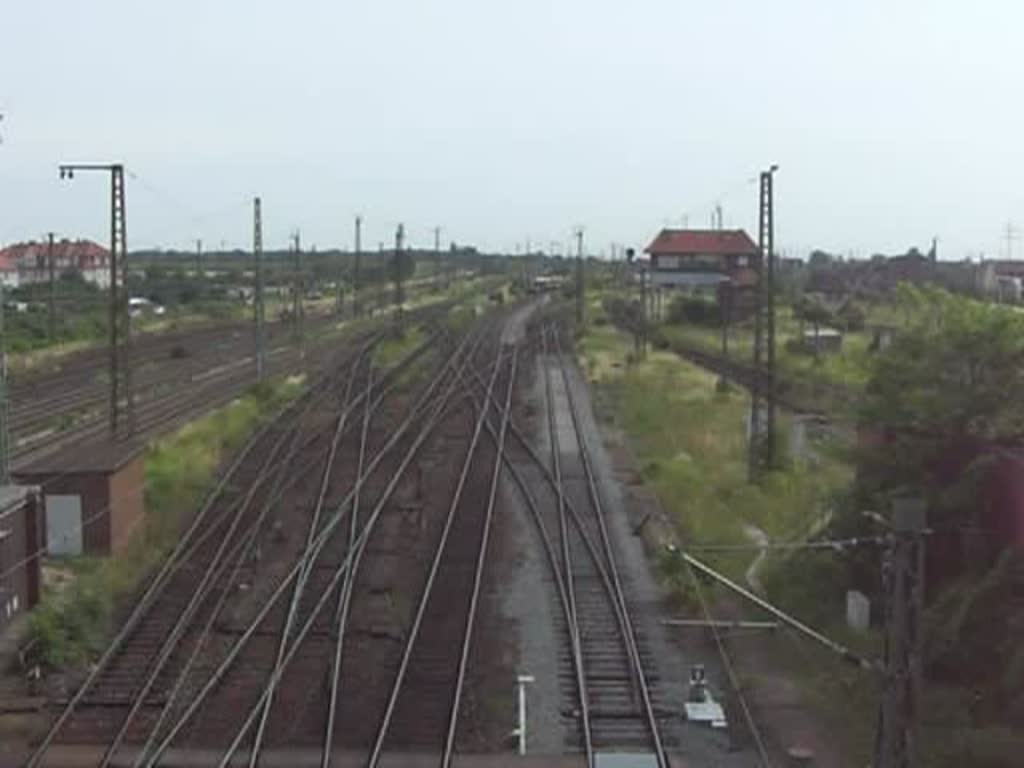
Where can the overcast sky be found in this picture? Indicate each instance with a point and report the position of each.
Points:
(892, 121)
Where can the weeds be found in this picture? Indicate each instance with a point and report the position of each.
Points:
(69, 627)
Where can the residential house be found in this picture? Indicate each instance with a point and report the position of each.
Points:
(28, 263)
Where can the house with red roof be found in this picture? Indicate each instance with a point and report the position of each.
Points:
(703, 259)
(27, 263)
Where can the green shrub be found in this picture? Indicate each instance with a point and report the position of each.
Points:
(70, 627)
(695, 310)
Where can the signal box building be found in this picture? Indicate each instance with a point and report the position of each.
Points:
(703, 259)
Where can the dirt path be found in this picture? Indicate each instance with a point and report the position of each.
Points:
(761, 541)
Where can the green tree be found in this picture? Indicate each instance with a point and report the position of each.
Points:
(946, 385)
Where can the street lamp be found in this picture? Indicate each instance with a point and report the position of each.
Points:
(119, 314)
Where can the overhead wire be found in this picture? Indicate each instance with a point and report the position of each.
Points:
(730, 671)
(128, 493)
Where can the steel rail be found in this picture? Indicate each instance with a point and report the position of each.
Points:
(577, 519)
(485, 537)
(390, 378)
(430, 424)
(157, 584)
(396, 688)
(214, 567)
(185, 548)
(440, 408)
(300, 583)
(345, 599)
(619, 595)
(238, 555)
(563, 528)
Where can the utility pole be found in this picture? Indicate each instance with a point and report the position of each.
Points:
(120, 316)
(199, 260)
(5, 438)
(396, 265)
(258, 311)
(725, 296)
(357, 307)
(297, 324)
(339, 287)
(1012, 234)
(761, 446)
(381, 284)
(579, 279)
(437, 255)
(897, 742)
(643, 312)
(52, 314)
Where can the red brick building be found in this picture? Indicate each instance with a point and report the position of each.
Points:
(21, 545)
(703, 258)
(94, 498)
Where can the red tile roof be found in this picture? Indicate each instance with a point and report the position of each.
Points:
(83, 254)
(721, 242)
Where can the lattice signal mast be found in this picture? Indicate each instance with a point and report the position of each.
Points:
(259, 316)
(762, 403)
(120, 317)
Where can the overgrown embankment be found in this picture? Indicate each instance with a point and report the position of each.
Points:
(689, 438)
(72, 622)
(935, 422)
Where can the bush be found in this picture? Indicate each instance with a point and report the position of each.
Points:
(695, 310)
(853, 317)
(70, 627)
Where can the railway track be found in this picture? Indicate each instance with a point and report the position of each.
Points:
(611, 660)
(610, 694)
(196, 627)
(331, 593)
(71, 408)
(332, 555)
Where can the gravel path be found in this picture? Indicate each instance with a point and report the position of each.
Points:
(530, 606)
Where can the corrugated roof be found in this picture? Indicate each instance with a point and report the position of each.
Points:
(721, 242)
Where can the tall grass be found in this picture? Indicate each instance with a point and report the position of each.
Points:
(70, 626)
(690, 440)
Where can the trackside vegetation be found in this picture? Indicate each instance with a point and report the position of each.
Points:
(74, 619)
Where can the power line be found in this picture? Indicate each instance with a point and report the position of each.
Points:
(579, 278)
(357, 306)
(761, 453)
(730, 671)
(120, 317)
(1011, 235)
(397, 265)
(259, 310)
(897, 742)
(836, 544)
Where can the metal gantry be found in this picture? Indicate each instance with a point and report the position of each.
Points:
(357, 307)
(397, 267)
(5, 435)
(897, 742)
(51, 316)
(258, 311)
(762, 403)
(579, 277)
(120, 315)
